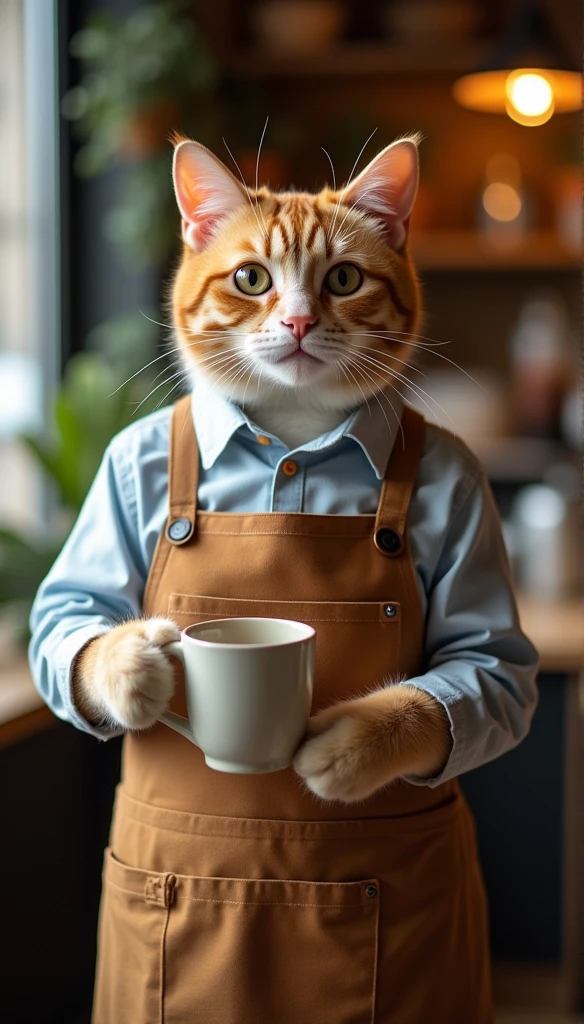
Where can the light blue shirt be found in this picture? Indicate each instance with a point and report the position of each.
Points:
(480, 665)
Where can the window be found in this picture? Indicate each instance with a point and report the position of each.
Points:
(29, 263)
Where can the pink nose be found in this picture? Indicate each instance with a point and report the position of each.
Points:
(299, 325)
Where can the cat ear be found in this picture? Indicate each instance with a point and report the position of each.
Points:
(386, 189)
(206, 192)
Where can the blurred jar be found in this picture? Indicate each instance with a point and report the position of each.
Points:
(541, 366)
(298, 27)
(427, 21)
(546, 548)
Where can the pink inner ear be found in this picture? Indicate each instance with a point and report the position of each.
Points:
(193, 234)
(206, 192)
(386, 190)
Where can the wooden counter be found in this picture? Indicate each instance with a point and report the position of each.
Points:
(557, 631)
(22, 711)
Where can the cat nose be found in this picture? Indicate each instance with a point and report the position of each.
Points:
(299, 325)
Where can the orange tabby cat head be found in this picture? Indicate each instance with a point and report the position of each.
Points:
(297, 291)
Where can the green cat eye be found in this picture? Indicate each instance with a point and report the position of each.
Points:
(253, 279)
(343, 279)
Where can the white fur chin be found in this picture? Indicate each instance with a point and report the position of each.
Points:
(296, 426)
(134, 679)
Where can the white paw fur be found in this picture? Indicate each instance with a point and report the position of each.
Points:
(337, 765)
(133, 678)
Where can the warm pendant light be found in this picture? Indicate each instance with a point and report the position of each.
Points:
(527, 75)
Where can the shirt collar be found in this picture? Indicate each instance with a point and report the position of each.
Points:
(215, 419)
(373, 427)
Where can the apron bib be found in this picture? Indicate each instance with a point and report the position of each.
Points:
(245, 899)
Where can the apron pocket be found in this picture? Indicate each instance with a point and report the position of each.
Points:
(375, 626)
(133, 918)
(244, 951)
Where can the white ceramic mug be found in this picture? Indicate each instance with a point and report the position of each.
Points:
(248, 689)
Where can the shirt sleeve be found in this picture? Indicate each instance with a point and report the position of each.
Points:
(481, 667)
(97, 581)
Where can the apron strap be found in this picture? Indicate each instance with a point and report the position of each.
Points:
(183, 474)
(398, 484)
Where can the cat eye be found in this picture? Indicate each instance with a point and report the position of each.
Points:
(253, 279)
(343, 279)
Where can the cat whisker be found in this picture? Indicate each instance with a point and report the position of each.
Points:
(415, 388)
(219, 333)
(179, 373)
(439, 355)
(258, 173)
(348, 371)
(168, 394)
(343, 190)
(170, 327)
(365, 192)
(141, 370)
(332, 168)
(407, 334)
(366, 375)
(255, 206)
(337, 349)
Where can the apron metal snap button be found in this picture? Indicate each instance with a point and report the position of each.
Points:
(371, 891)
(390, 611)
(179, 530)
(388, 542)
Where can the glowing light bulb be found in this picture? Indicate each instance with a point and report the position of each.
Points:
(530, 97)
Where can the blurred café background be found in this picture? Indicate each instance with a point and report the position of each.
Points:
(90, 91)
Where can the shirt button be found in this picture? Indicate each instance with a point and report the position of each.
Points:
(289, 468)
(262, 439)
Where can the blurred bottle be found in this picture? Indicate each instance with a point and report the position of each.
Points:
(567, 195)
(541, 366)
(504, 213)
(546, 556)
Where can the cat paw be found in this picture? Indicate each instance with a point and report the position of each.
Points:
(358, 746)
(346, 760)
(133, 678)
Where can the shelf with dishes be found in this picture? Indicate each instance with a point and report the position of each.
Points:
(468, 250)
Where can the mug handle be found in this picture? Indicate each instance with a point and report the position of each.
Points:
(181, 725)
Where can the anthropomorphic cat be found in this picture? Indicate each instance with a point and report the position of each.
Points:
(346, 888)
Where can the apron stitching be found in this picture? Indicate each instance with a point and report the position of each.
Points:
(375, 960)
(258, 600)
(284, 533)
(162, 963)
(363, 622)
(298, 839)
(135, 892)
(275, 903)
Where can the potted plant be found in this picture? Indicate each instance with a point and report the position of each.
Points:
(142, 77)
(93, 403)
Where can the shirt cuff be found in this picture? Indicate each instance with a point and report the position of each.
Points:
(452, 700)
(69, 648)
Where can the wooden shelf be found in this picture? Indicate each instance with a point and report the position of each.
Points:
(467, 250)
(360, 60)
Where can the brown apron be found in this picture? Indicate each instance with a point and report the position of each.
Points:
(245, 899)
